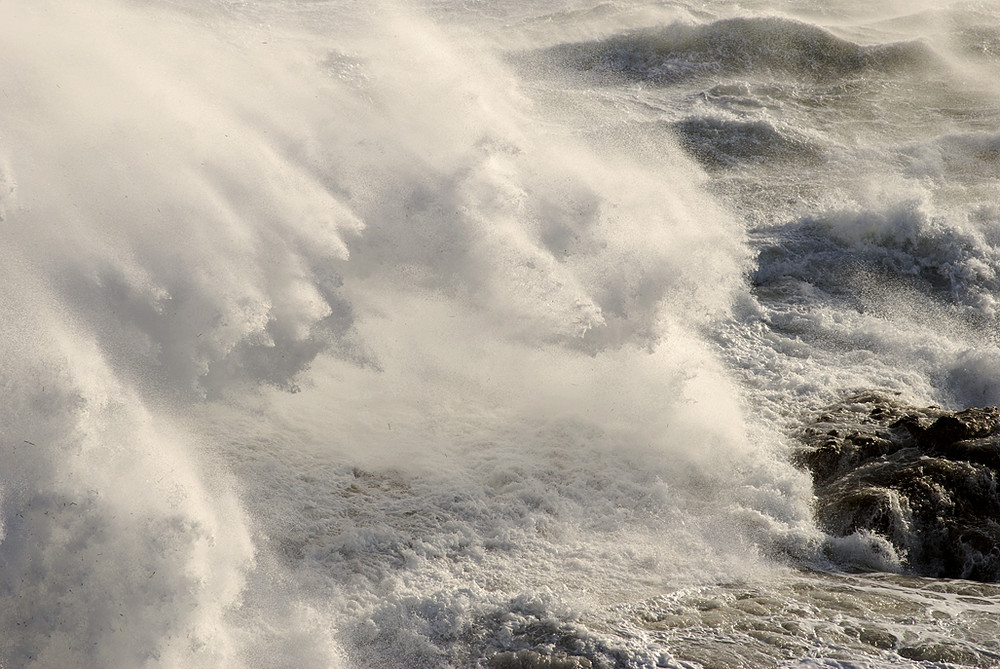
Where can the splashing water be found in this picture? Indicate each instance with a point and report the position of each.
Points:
(342, 335)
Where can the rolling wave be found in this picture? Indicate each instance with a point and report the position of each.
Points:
(732, 47)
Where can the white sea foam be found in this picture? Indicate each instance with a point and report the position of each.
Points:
(331, 339)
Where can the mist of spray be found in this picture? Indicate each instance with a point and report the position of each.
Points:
(200, 215)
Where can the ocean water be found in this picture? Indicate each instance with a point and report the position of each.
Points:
(453, 333)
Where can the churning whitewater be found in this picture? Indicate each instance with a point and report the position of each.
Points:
(503, 335)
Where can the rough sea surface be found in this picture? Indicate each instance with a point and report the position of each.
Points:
(499, 335)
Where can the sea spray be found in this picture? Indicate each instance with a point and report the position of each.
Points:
(117, 549)
(374, 336)
(153, 255)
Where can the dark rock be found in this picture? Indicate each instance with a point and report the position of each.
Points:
(972, 423)
(878, 638)
(925, 479)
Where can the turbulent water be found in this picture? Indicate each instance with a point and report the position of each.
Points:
(480, 334)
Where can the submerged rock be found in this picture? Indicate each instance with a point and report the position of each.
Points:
(924, 479)
(529, 659)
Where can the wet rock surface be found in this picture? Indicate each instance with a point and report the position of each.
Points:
(924, 479)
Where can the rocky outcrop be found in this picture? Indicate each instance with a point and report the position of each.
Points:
(925, 479)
